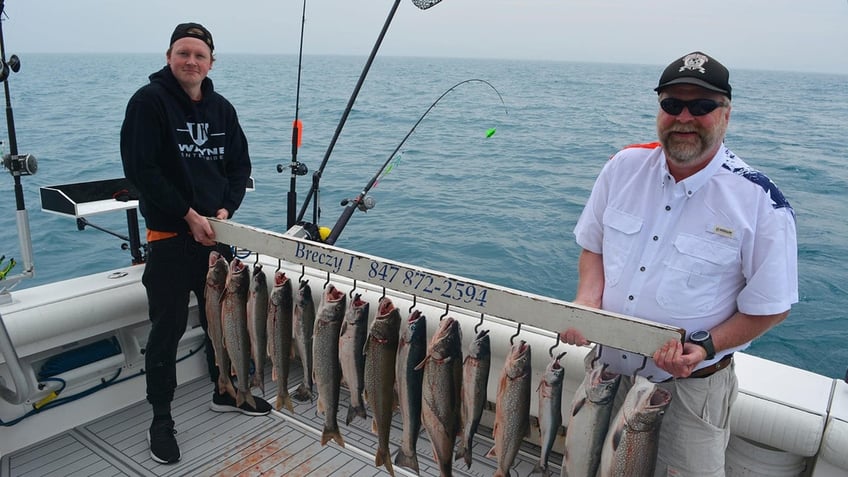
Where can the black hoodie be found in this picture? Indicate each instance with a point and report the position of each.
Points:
(179, 153)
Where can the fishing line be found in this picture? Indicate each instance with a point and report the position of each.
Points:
(393, 162)
(361, 201)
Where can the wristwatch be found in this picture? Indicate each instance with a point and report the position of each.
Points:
(703, 339)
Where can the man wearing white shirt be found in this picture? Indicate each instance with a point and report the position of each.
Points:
(683, 232)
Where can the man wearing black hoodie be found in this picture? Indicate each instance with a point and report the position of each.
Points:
(182, 147)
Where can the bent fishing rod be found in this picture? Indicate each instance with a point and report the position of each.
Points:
(316, 176)
(361, 202)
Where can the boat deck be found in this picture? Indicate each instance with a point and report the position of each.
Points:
(232, 444)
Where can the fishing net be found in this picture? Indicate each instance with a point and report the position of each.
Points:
(425, 4)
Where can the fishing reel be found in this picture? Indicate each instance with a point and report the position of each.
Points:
(20, 164)
(298, 168)
(8, 67)
(367, 203)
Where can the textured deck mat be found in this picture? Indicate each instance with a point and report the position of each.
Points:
(233, 444)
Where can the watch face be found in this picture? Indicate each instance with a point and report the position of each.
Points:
(700, 335)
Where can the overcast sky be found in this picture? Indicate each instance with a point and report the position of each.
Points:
(753, 34)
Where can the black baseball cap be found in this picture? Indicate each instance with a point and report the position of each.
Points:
(193, 30)
(699, 69)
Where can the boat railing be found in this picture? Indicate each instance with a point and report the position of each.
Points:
(24, 389)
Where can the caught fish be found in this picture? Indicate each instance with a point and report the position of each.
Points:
(216, 278)
(550, 411)
(512, 414)
(630, 447)
(411, 351)
(475, 381)
(351, 354)
(257, 318)
(280, 304)
(442, 391)
(588, 421)
(325, 357)
(380, 357)
(236, 339)
(303, 327)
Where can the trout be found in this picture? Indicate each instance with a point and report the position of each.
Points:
(550, 411)
(411, 351)
(280, 337)
(236, 339)
(216, 279)
(257, 318)
(475, 382)
(442, 391)
(303, 326)
(512, 414)
(352, 355)
(327, 372)
(588, 421)
(631, 444)
(381, 349)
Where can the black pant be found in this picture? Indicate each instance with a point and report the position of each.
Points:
(175, 267)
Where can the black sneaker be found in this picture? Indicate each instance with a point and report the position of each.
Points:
(163, 445)
(226, 403)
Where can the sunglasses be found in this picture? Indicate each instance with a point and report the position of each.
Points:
(696, 107)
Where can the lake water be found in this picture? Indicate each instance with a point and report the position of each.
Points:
(499, 209)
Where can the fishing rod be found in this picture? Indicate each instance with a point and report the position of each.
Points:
(316, 176)
(361, 202)
(17, 164)
(297, 168)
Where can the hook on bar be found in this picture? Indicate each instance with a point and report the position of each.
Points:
(256, 262)
(551, 349)
(640, 368)
(302, 274)
(353, 289)
(477, 326)
(517, 332)
(328, 280)
(414, 301)
(599, 349)
(279, 265)
(447, 308)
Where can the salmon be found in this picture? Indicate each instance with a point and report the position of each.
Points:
(303, 327)
(550, 411)
(588, 421)
(352, 355)
(475, 382)
(236, 339)
(630, 447)
(512, 414)
(380, 358)
(442, 391)
(257, 319)
(216, 279)
(280, 304)
(411, 351)
(327, 372)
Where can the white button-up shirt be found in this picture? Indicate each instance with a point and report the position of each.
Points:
(690, 253)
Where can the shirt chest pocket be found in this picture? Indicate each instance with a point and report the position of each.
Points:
(621, 231)
(689, 285)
